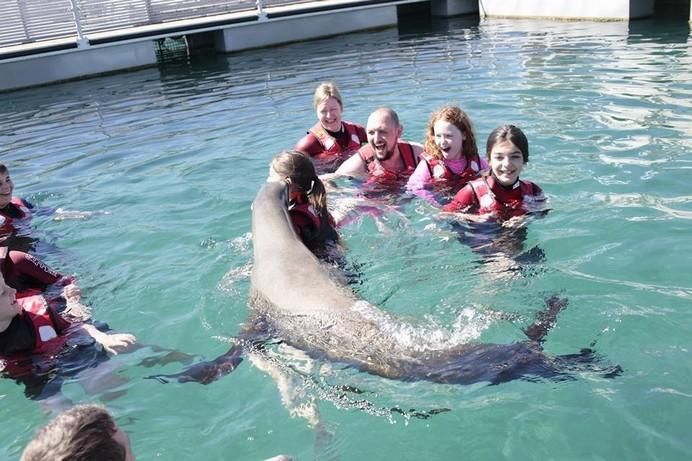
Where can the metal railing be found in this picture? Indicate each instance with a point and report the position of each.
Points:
(33, 21)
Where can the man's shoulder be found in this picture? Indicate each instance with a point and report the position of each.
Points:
(416, 147)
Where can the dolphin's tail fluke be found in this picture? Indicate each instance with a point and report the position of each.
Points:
(563, 367)
(545, 319)
(587, 361)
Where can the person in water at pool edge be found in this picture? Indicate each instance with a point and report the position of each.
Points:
(385, 157)
(83, 433)
(501, 193)
(15, 212)
(33, 334)
(331, 137)
(307, 198)
(450, 159)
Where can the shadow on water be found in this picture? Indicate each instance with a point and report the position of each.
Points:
(659, 30)
(416, 19)
(491, 240)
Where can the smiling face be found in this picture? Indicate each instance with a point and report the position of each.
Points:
(449, 139)
(329, 114)
(6, 189)
(506, 162)
(383, 133)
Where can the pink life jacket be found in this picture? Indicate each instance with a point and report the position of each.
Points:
(439, 170)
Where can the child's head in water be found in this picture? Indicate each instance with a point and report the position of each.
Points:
(83, 432)
(450, 135)
(6, 186)
(508, 152)
(297, 170)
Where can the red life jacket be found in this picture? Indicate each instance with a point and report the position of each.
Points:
(439, 170)
(309, 226)
(303, 215)
(376, 170)
(330, 144)
(486, 197)
(48, 338)
(7, 222)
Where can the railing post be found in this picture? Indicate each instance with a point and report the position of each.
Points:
(261, 15)
(150, 12)
(23, 14)
(82, 40)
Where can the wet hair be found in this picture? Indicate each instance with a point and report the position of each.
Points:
(461, 120)
(327, 90)
(4, 169)
(509, 133)
(82, 433)
(299, 169)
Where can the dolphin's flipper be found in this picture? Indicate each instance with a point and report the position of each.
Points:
(168, 356)
(251, 337)
(208, 371)
(545, 319)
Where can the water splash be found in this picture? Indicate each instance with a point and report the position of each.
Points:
(64, 215)
(430, 336)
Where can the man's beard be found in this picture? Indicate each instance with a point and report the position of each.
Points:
(386, 155)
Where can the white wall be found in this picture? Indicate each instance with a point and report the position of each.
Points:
(30, 71)
(568, 9)
(291, 29)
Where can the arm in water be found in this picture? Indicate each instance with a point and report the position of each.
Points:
(111, 342)
(417, 181)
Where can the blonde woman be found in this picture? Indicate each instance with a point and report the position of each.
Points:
(331, 137)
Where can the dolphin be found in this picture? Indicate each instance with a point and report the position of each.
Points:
(295, 299)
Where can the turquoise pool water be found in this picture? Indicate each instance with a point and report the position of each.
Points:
(168, 160)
